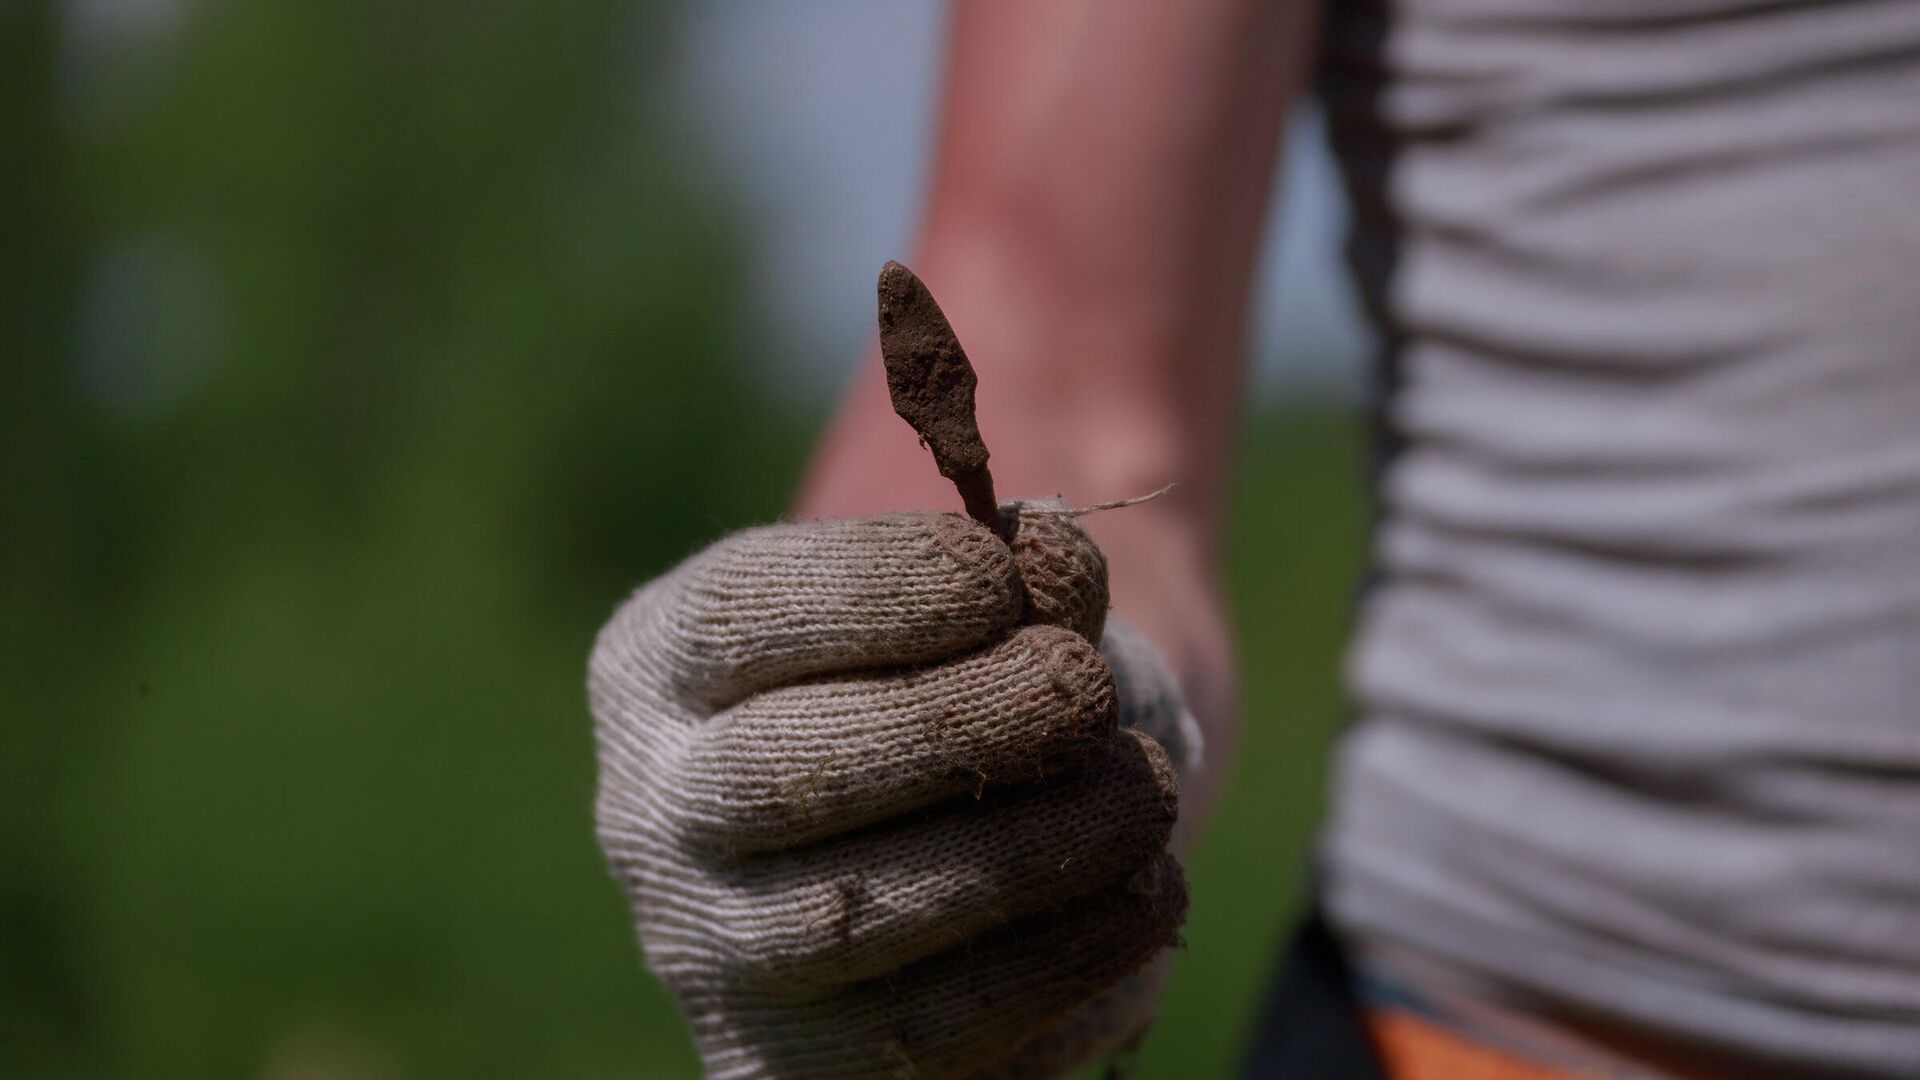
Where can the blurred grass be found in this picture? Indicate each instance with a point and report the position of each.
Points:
(357, 362)
(1297, 546)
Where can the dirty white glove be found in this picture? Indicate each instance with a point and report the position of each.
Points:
(864, 784)
(1152, 704)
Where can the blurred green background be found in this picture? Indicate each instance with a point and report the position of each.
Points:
(358, 357)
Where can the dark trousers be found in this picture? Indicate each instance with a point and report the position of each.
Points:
(1311, 1028)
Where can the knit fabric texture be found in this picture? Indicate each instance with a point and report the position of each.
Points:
(865, 786)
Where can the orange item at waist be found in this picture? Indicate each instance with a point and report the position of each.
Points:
(1411, 1047)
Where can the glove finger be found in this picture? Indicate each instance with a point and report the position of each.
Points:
(782, 602)
(955, 1013)
(1112, 1024)
(977, 1005)
(801, 763)
(1062, 572)
(874, 902)
(1150, 696)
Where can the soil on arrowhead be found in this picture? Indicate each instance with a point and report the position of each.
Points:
(932, 387)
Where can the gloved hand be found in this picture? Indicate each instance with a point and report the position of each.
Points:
(864, 784)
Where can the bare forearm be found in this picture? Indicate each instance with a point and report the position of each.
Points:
(1094, 208)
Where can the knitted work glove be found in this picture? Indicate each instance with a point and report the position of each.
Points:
(1113, 1023)
(864, 784)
